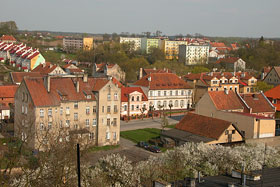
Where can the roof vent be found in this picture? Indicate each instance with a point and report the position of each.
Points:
(226, 91)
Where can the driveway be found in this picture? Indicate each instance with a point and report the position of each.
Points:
(145, 123)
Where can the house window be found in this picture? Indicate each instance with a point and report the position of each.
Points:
(182, 103)
(87, 110)
(108, 121)
(164, 93)
(94, 122)
(49, 112)
(22, 96)
(115, 108)
(76, 126)
(103, 108)
(87, 122)
(108, 135)
(137, 107)
(182, 92)
(76, 105)
(22, 109)
(170, 93)
(176, 92)
(114, 135)
(42, 113)
(61, 124)
(138, 98)
(41, 126)
(164, 104)
(274, 101)
(158, 93)
(248, 89)
(67, 123)
(61, 110)
(91, 136)
(76, 116)
(125, 107)
(94, 109)
(50, 125)
(176, 103)
(132, 98)
(115, 121)
(109, 97)
(115, 96)
(67, 111)
(132, 107)
(233, 132)
(108, 109)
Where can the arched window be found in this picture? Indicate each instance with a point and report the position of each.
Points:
(138, 98)
(132, 98)
(182, 103)
(164, 104)
(158, 103)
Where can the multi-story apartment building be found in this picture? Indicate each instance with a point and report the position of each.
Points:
(240, 82)
(166, 90)
(49, 109)
(88, 43)
(134, 101)
(194, 54)
(148, 43)
(171, 48)
(134, 41)
(71, 44)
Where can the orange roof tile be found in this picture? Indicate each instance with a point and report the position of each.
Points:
(273, 93)
(257, 102)
(224, 101)
(8, 91)
(203, 126)
(7, 38)
(17, 77)
(161, 81)
(45, 69)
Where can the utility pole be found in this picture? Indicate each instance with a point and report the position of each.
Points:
(78, 165)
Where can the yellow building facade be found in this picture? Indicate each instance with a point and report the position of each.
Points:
(171, 48)
(87, 43)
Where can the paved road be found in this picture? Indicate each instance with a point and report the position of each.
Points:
(146, 123)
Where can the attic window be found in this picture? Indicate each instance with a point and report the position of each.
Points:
(88, 96)
(169, 84)
(175, 84)
(157, 84)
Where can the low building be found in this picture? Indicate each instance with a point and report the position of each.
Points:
(273, 76)
(134, 102)
(8, 39)
(71, 69)
(197, 128)
(49, 69)
(7, 95)
(233, 63)
(17, 77)
(166, 91)
(105, 70)
(251, 113)
(194, 54)
(47, 108)
(274, 97)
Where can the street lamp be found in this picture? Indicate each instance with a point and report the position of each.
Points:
(170, 106)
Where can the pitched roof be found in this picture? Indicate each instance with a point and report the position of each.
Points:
(148, 71)
(8, 38)
(45, 69)
(161, 81)
(227, 60)
(17, 77)
(224, 101)
(116, 82)
(257, 102)
(8, 91)
(217, 44)
(102, 66)
(204, 126)
(62, 89)
(273, 93)
(128, 90)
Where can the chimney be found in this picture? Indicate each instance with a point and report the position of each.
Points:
(77, 86)
(140, 73)
(51, 65)
(85, 77)
(44, 64)
(47, 82)
(154, 68)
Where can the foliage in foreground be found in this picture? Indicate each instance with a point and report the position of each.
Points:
(181, 162)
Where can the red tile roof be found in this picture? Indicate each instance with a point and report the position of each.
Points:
(161, 81)
(45, 69)
(257, 102)
(7, 38)
(148, 71)
(224, 101)
(128, 90)
(62, 89)
(17, 77)
(203, 126)
(227, 60)
(253, 115)
(8, 91)
(116, 82)
(273, 93)
(33, 55)
(217, 44)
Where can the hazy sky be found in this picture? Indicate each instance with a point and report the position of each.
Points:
(252, 18)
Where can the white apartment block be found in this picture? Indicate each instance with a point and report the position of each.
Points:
(194, 54)
(135, 41)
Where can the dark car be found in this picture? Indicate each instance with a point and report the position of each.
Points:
(144, 145)
(154, 149)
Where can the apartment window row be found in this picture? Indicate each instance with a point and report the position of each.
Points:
(115, 96)
(169, 93)
(108, 135)
(115, 109)
(110, 122)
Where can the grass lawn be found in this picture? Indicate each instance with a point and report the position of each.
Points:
(104, 148)
(141, 134)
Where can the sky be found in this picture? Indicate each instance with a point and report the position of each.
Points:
(244, 18)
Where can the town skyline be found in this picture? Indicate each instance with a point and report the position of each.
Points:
(226, 19)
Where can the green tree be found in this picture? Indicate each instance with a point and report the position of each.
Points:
(9, 27)
(155, 54)
(263, 86)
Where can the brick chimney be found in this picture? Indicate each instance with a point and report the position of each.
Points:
(140, 73)
(47, 82)
(78, 86)
(85, 78)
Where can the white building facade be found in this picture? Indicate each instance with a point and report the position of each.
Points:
(194, 54)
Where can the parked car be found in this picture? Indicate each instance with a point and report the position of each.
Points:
(144, 145)
(154, 149)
